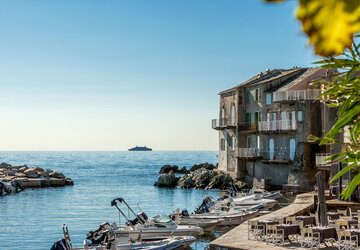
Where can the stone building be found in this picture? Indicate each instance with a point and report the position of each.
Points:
(264, 124)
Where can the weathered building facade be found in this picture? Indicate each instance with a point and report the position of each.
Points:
(264, 124)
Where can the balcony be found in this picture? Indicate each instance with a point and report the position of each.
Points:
(222, 123)
(246, 126)
(278, 156)
(320, 160)
(248, 153)
(279, 125)
(296, 95)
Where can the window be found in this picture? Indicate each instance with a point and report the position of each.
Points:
(268, 98)
(271, 149)
(222, 120)
(233, 114)
(256, 117)
(257, 95)
(222, 144)
(292, 149)
(233, 143)
(300, 116)
(248, 117)
(247, 96)
(258, 141)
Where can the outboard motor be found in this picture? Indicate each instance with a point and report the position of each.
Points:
(184, 213)
(100, 234)
(59, 245)
(142, 217)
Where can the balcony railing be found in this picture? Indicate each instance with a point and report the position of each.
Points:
(248, 152)
(296, 95)
(279, 125)
(320, 160)
(278, 155)
(222, 123)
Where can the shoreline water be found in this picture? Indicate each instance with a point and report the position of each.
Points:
(33, 219)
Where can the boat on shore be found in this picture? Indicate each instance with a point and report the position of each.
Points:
(140, 149)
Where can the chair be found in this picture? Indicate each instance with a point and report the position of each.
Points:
(253, 229)
(300, 223)
(343, 212)
(347, 241)
(346, 217)
(343, 224)
(309, 238)
(274, 235)
(279, 220)
(290, 220)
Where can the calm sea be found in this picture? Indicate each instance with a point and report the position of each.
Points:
(32, 219)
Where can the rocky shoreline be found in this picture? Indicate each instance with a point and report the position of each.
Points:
(199, 176)
(16, 178)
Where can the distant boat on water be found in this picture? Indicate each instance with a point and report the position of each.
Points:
(140, 149)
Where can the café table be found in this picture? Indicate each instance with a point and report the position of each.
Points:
(333, 215)
(289, 229)
(326, 233)
(307, 220)
(355, 232)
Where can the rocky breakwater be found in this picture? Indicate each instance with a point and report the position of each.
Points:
(201, 176)
(31, 177)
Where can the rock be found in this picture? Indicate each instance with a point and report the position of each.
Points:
(167, 168)
(20, 175)
(5, 165)
(29, 171)
(166, 180)
(220, 181)
(202, 177)
(202, 165)
(22, 169)
(47, 173)
(39, 171)
(186, 182)
(11, 173)
(56, 175)
(34, 175)
(183, 170)
(69, 181)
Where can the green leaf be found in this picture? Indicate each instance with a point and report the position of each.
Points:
(350, 189)
(343, 171)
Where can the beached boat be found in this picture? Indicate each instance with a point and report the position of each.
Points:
(140, 149)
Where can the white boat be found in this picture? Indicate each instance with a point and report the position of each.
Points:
(225, 218)
(179, 242)
(206, 225)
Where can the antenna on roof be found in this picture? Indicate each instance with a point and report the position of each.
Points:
(267, 70)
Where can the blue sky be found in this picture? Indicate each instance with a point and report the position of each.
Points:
(109, 75)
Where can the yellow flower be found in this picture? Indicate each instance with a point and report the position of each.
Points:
(330, 24)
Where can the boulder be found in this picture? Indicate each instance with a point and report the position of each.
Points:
(5, 165)
(183, 170)
(241, 185)
(167, 168)
(166, 180)
(11, 172)
(202, 177)
(202, 165)
(29, 171)
(34, 175)
(20, 174)
(56, 175)
(22, 169)
(220, 181)
(69, 182)
(39, 171)
(186, 181)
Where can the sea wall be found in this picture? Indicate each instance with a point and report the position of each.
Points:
(16, 178)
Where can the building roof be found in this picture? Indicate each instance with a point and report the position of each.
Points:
(300, 76)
